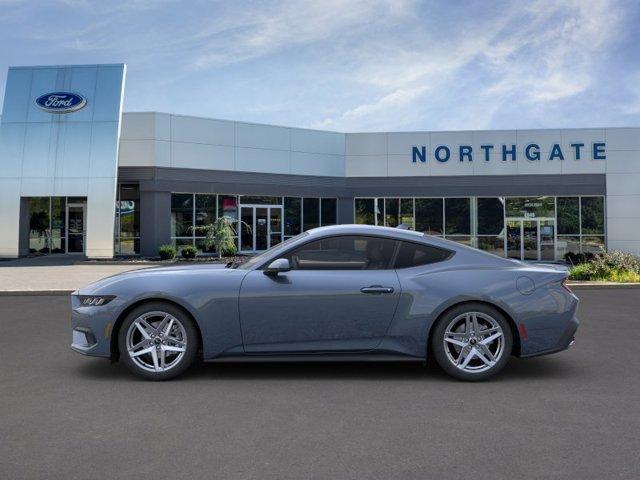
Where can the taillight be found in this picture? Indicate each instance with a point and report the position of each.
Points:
(565, 286)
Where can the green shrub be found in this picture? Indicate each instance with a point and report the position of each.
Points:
(623, 276)
(221, 234)
(189, 251)
(616, 260)
(613, 266)
(583, 271)
(577, 258)
(230, 251)
(166, 252)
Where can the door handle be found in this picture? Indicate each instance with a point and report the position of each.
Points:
(376, 289)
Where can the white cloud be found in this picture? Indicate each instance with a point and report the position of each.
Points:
(534, 55)
(344, 64)
(247, 34)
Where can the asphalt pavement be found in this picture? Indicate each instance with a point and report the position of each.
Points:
(573, 415)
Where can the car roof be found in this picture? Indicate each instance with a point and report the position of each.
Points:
(366, 230)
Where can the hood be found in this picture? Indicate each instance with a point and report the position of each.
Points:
(105, 284)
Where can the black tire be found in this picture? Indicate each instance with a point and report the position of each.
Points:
(190, 333)
(445, 360)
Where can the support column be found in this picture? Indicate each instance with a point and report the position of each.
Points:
(25, 217)
(155, 221)
(345, 210)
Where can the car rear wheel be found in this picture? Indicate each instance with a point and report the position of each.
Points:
(472, 341)
(158, 341)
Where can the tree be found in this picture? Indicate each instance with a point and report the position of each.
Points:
(221, 234)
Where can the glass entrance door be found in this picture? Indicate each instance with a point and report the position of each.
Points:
(530, 239)
(547, 229)
(75, 227)
(261, 228)
(514, 239)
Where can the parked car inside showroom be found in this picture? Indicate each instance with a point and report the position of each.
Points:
(339, 293)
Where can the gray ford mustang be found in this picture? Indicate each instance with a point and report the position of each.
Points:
(348, 292)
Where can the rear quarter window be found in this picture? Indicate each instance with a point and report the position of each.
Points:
(416, 254)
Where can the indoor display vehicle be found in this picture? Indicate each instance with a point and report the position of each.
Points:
(338, 293)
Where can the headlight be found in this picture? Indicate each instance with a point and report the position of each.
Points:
(95, 300)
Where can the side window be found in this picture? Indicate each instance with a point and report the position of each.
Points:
(415, 254)
(344, 253)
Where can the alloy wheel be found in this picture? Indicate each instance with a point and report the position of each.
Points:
(473, 342)
(156, 341)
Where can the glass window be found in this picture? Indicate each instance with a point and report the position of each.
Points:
(463, 239)
(344, 253)
(414, 254)
(178, 243)
(493, 245)
(127, 228)
(457, 216)
(205, 210)
(39, 225)
(365, 213)
(260, 200)
(181, 214)
(490, 216)
(201, 245)
(128, 219)
(592, 213)
(311, 213)
(592, 244)
(58, 220)
(567, 244)
(129, 246)
(530, 207)
(391, 212)
(568, 216)
(292, 213)
(429, 216)
(328, 211)
(379, 211)
(406, 212)
(228, 206)
(273, 251)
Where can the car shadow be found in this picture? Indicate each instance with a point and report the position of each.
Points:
(517, 370)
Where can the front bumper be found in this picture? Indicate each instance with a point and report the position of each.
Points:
(83, 339)
(565, 340)
(91, 327)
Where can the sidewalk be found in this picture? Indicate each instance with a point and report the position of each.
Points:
(51, 275)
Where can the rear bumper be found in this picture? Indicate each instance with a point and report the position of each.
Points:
(565, 340)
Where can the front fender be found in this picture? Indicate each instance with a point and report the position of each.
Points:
(210, 296)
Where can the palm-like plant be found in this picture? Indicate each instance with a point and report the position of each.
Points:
(221, 234)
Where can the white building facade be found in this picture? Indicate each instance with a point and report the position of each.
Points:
(90, 179)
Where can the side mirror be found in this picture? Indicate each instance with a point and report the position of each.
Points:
(277, 266)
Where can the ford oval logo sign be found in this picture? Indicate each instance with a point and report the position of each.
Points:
(61, 102)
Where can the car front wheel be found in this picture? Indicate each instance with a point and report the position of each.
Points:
(158, 341)
(472, 342)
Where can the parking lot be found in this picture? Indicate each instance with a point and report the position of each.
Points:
(571, 415)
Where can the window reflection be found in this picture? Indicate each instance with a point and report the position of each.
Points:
(575, 225)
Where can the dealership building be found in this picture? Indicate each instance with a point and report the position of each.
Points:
(79, 176)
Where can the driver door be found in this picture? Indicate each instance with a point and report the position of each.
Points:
(340, 295)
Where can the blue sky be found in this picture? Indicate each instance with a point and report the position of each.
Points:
(351, 65)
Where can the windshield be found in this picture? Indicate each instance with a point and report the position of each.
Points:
(273, 251)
